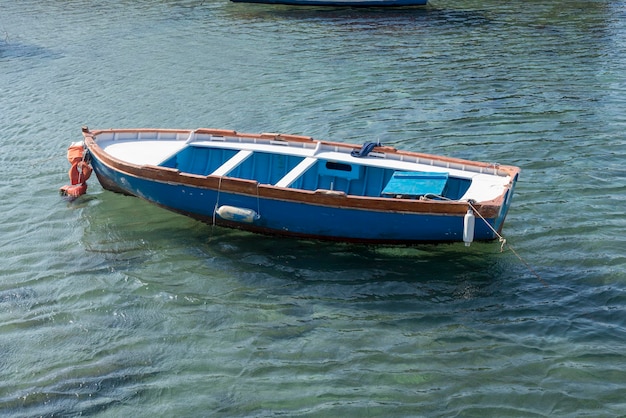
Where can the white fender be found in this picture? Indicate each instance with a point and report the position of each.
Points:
(232, 213)
(468, 227)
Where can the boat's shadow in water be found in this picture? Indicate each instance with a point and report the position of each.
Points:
(130, 234)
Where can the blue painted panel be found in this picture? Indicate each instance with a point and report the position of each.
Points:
(410, 183)
(199, 160)
(340, 170)
(456, 188)
(370, 180)
(266, 168)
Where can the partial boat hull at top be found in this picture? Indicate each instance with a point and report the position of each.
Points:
(341, 3)
(296, 186)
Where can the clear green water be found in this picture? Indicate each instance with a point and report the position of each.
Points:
(112, 307)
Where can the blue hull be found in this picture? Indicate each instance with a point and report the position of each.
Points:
(341, 3)
(298, 219)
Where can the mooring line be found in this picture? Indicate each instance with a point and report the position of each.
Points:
(258, 200)
(504, 242)
(217, 202)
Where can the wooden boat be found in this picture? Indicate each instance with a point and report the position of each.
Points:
(296, 186)
(341, 3)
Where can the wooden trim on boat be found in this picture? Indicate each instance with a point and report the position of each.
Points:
(488, 209)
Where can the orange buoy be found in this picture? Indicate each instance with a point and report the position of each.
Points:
(75, 151)
(79, 172)
(74, 190)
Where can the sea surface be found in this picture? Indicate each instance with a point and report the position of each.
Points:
(111, 307)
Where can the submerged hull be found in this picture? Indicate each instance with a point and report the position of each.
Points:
(341, 3)
(284, 206)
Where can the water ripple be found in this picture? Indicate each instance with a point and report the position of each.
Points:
(110, 306)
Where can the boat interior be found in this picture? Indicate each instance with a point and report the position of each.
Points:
(306, 165)
(313, 173)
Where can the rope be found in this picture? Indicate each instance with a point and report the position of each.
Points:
(217, 202)
(84, 160)
(501, 239)
(258, 201)
(503, 242)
